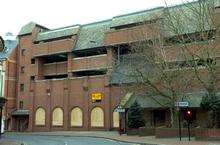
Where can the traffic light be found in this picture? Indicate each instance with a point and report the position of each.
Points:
(189, 112)
(188, 115)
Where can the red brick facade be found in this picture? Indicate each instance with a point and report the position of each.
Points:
(30, 85)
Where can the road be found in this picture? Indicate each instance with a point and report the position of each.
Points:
(60, 140)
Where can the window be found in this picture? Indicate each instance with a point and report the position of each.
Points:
(89, 73)
(57, 119)
(32, 61)
(76, 117)
(98, 51)
(22, 69)
(22, 87)
(56, 76)
(23, 52)
(21, 104)
(32, 78)
(40, 117)
(55, 58)
(159, 117)
(97, 117)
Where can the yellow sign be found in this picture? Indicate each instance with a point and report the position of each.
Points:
(96, 97)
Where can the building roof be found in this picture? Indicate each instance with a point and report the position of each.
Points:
(27, 29)
(92, 35)
(58, 33)
(217, 3)
(193, 98)
(137, 17)
(183, 19)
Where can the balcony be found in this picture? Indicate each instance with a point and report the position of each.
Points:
(131, 34)
(90, 63)
(53, 47)
(56, 68)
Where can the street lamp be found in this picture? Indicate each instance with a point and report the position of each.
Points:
(2, 99)
(2, 103)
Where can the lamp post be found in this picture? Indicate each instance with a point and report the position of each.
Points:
(2, 99)
(2, 103)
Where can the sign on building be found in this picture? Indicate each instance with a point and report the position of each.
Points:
(96, 97)
(182, 104)
(119, 109)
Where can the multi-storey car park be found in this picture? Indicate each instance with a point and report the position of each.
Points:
(65, 79)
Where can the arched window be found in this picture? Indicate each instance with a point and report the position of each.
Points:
(76, 117)
(115, 119)
(40, 116)
(97, 117)
(57, 119)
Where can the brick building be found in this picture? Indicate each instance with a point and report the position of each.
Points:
(8, 73)
(65, 78)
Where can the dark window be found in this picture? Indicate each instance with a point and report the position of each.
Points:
(22, 87)
(22, 69)
(94, 52)
(159, 117)
(55, 58)
(32, 61)
(21, 104)
(89, 73)
(22, 52)
(56, 76)
(32, 78)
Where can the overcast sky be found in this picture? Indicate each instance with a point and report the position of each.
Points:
(58, 13)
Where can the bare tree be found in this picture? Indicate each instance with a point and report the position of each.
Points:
(178, 58)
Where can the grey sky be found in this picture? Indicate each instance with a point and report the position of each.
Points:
(58, 13)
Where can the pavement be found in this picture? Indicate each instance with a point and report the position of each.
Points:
(7, 142)
(149, 140)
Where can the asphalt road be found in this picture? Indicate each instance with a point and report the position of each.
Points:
(59, 140)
